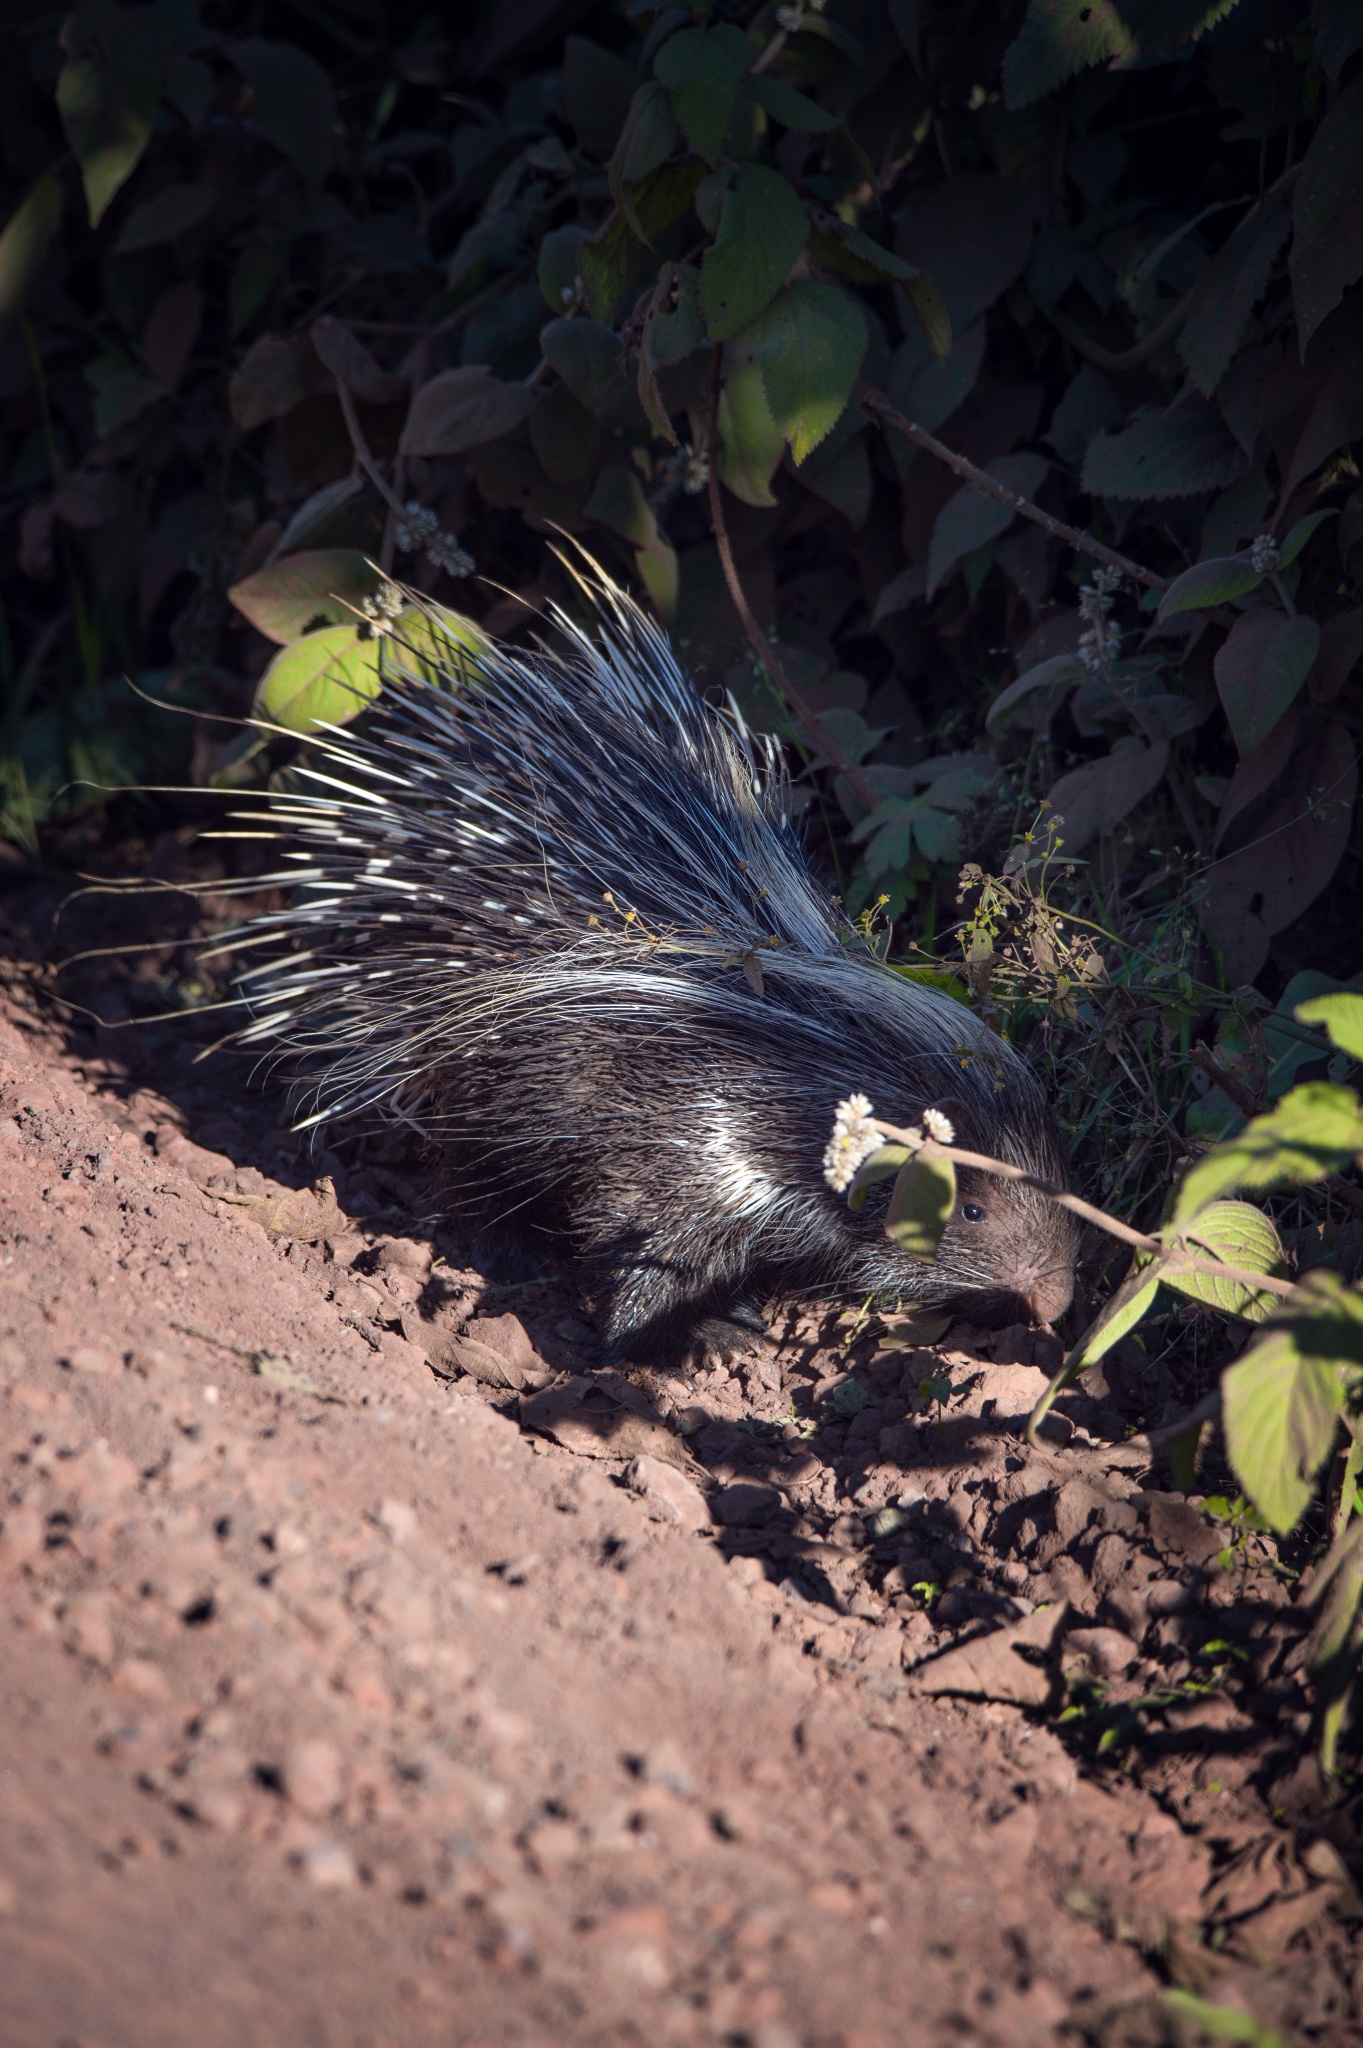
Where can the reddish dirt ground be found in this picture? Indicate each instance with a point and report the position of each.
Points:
(376, 1670)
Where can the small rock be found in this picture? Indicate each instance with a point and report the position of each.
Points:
(668, 1494)
(1180, 1531)
(745, 1505)
(396, 1519)
(312, 1777)
(1104, 1652)
(329, 1866)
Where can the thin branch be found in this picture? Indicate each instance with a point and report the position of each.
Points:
(1083, 543)
(361, 446)
(794, 698)
(1245, 1100)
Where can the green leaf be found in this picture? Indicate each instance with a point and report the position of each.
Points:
(750, 442)
(25, 242)
(327, 584)
(872, 1171)
(1226, 295)
(791, 108)
(564, 435)
(585, 356)
(702, 69)
(1327, 214)
(618, 501)
(808, 345)
(762, 230)
(1218, 581)
(970, 518)
(557, 269)
(673, 331)
(1300, 533)
(1281, 1409)
(1242, 1236)
(172, 212)
(1058, 39)
(292, 103)
(1260, 669)
(1342, 1016)
(107, 96)
(1060, 672)
(597, 89)
(462, 409)
(1219, 2022)
(1315, 1130)
(1121, 1315)
(921, 1203)
(649, 136)
(1177, 453)
(609, 260)
(326, 678)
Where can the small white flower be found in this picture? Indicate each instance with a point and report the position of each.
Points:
(854, 1139)
(445, 552)
(1263, 554)
(382, 607)
(697, 472)
(939, 1127)
(1100, 645)
(415, 527)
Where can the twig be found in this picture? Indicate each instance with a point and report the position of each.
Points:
(420, 355)
(928, 1148)
(1084, 543)
(795, 700)
(361, 446)
(1201, 1057)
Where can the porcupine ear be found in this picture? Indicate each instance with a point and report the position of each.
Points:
(958, 1116)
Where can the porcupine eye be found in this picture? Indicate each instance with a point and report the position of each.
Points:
(971, 1212)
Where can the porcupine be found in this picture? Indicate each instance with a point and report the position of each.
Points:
(552, 907)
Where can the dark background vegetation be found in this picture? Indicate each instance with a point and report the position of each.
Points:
(1143, 221)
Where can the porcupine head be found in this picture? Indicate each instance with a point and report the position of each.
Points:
(555, 912)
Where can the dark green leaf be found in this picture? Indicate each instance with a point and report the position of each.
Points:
(872, 1171)
(649, 136)
(1281, 1411)
(1226, 295)
(1060, 672)
(921, 1203)
(585, 356)
(1327, 214)
(1260, 670)
(969, 518)
(1179, 453)
(1218, 581)
(462, 409)
(292, 103)
(750, 442)
(1301, 533)
(1315, 1130)
(564, 435)
(618, 501)
(840, 474)
(702, 68)
(808, 345)
(107, 96)
(171, 213)
(597, 89)
(675, 329)
(558, 265)
(327, 584)
(25, 242)
(791, 108)
(1058, 39)
(609, 261)
(762, 230)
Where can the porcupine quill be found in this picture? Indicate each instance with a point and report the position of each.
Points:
(552, 906)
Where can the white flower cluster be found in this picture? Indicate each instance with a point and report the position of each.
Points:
(792, 19)
(854, 1139)
(1101, 642)
(939, 1126)
(383, 607)
(1263, 553)
(418, 531)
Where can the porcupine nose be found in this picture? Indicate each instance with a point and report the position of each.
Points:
(1049, 1294)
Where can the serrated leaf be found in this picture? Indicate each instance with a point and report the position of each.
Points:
(1260, 669)
(750, 442)
(1241, 1236)
(1177, 453)
(321, 583)
(292, 103)
(762, 230)
(106, 94)
(702, 69)
(649, 136)
(462, 409)
(1300, 533)
(969, 518)
(1061, 671)
(1280, 1410)
(1218, 581)
(1342, 1016)
(1226, 295)
(25, 242)
(808, 346)
(1315, 1130)
(872, 1171)
(1327, 214)
(1059, 39)
(609, 260)
(792, 109)
(921, 1203)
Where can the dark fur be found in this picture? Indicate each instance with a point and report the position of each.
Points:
(618, 1076)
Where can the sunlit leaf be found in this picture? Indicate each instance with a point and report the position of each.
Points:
(880, 1166)
(1342, 1016)
(1240, 1235)
(1058, 39)
(808, 345)
(1281, 1410)
(762, 230)
(750, 442)
(107, 96)
(320, 584)
(1315, 1130)
(327, 677)
(921, 1203)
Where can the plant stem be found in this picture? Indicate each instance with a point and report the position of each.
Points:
(1083, 543)
(795, 700)
(361, 446)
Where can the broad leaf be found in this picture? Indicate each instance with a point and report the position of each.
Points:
(1260, 669)
(292, 103)
(585, 356)
(927, 388)
(172, 212)
(1178, 453)
(1342, 1016)
(649, 136)
(762, 230)
(564, 435)
(809, 346)
(840, 474)
(107, 96)
(1280, 1409)
(275, 376)
(610, 260)
(972, 236)
(464, 408)
(1060, 673)
(557, 269)
(1125, 1309)
(1226, 295)
(702, 68)
(1218, 581)
(921, 1203)
(597, 89)
(970, 518)
(750, 442)
(1096, 797)
(1327, 214)
(1058, 39)
(1300, 533)
(618, 501)
(791, 108)
(1315, 1130)
(880, 1166)
(25, 242)
(349, 361)
(326, 678)
(1241, 1236)
(321, 584)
